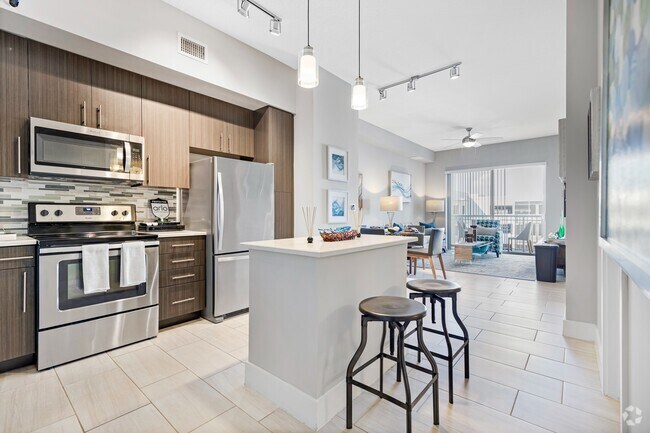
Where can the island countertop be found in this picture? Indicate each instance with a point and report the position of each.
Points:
(319, 249)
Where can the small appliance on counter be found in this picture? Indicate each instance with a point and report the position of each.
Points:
(160, 209)
(73, 321)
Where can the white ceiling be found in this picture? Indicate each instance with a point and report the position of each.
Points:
(513, 52)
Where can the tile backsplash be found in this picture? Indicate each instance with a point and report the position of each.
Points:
(16, 193)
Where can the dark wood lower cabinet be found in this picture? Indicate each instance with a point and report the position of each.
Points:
(17, 313)
(182, 278)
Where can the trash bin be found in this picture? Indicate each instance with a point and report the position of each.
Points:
(546, 262)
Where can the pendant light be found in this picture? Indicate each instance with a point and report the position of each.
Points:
(308, 67)
(359, 94)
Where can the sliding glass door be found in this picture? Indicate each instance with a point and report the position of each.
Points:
(515, 196)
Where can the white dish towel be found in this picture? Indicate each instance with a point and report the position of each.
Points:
(94, 264)
(133, 269)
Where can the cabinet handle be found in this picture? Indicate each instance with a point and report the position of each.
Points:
(183, 245)
(182, 261)
(182, 277)
(19, 161)
(25, 292)
(229, 144)
(83, 113)
(221, 141)
(16, 258)
(147, 168)
(99, 116)
(183, 301)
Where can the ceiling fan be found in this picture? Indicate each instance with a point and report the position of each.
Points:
(471, 140)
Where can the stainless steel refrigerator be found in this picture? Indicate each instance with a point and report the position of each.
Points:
(232, 201)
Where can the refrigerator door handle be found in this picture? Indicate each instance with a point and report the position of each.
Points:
(220, 216)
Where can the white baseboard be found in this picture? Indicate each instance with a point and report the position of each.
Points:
(313, 412)
(580, 330)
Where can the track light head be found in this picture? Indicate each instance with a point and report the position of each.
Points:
(383, 94)
(454, 72)
(275, 26)
(410, 87)
(243, 7)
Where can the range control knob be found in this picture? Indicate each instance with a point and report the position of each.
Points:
(44, 213)
(114, 213)
(58, 212)
(125, 212)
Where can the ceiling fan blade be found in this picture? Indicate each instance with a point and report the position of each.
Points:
(477, 144)
(476, 135)
(451, 139)
(491, 138)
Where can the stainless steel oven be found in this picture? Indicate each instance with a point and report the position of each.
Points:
(61, 297)
(73, 324)
(62, 149)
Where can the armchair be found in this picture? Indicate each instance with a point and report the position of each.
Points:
(494, 240)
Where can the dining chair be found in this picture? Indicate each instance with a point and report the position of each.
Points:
(434, 249)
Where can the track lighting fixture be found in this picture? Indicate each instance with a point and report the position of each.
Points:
(275, 25)
(243, 7)
(359, 94)
(308, 67)
(454, 72)
(410, 87)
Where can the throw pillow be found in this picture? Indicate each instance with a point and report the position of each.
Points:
(399, 227)
(431, 225)
(487, 231)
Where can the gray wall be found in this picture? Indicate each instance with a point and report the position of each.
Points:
(324, 118)
(582, 194)
(537, 150)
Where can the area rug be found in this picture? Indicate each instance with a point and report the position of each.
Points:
(517, 266)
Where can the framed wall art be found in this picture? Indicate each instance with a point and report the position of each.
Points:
(400, 185)
(337, 206)
(337, 164)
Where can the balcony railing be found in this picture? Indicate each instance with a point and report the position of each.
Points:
(511, 225)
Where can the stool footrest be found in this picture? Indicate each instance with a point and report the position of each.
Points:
(366, 364)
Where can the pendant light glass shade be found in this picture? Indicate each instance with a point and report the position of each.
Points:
(308, 69)
(359, 95)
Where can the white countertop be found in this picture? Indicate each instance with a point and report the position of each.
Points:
(300, 247)
(175, 233)
(20, 240)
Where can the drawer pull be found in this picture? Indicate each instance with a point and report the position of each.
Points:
(183, 245)
(180, 277)
(182, 260)
(183, 301)
(16, 258)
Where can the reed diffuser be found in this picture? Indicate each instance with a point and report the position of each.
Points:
(357, 214)
(309, 214)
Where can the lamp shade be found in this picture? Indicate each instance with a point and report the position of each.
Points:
(435, 205)
(391, 204)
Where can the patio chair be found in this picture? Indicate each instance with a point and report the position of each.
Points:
(525, 235)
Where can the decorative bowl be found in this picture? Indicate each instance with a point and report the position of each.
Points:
(335, 236)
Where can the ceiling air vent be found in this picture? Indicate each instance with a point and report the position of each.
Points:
(192, 48)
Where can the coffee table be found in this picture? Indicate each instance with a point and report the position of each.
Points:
(465, 250)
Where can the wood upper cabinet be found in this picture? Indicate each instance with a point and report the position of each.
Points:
(14, 112)
(116, 99)
(17, 304)
(166, 131)
(60, 85)
(218, 126)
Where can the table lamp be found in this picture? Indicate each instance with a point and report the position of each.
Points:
(434, 206)
(390, 205)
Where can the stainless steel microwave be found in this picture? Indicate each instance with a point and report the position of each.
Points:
(61, 149)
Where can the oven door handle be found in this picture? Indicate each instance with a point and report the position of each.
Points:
(77, 249)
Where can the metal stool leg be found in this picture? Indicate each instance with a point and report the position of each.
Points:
(348, 377)
(434, 373)
(381, 357)
(450, 362)
(454, 301)
(401, 362)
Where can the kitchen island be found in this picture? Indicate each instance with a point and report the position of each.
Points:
(304, 319)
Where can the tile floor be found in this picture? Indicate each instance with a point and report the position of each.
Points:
(525, 377)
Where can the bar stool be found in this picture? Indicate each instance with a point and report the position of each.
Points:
(398, 312)
(438, 290)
